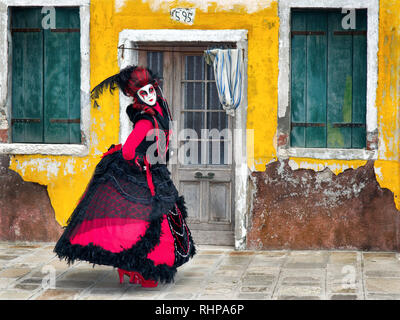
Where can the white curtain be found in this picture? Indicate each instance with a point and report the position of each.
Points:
(228, 72)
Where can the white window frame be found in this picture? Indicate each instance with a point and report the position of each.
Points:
(285, 150)
(131, 38)
(81, 149)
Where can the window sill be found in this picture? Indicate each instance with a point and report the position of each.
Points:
(327, 154)
(45, 149)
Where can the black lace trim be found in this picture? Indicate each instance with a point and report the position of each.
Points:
(133, 259)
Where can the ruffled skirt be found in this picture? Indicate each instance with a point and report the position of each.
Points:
(118, 222)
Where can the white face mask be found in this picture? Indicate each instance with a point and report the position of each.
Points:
(147, 94)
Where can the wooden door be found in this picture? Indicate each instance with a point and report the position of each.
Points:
(202, 171)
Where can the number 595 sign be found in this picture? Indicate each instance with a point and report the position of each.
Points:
(184, 15)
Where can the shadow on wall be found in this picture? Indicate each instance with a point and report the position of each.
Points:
(26, 213)
(305, 209)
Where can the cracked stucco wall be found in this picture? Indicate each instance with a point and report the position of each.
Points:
(66, 176)
(264, 89)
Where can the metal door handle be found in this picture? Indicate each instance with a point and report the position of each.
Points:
(199, 175)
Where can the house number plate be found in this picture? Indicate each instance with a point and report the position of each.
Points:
(183, 15)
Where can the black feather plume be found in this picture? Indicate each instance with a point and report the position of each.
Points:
(118, 80)
(124, 76)
(110, 82)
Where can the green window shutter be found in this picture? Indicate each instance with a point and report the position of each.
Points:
(62, 79)
(316, 80)
(358, 137)
(340, 84)
(328, 80)
(27, 77)
(298, 80)
(45, 77)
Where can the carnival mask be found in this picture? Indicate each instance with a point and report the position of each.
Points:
(147, 94)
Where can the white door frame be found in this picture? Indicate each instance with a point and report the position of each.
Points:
(129, 38)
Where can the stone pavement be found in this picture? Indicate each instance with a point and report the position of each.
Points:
(32, 271)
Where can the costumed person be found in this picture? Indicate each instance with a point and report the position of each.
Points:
(131, 216)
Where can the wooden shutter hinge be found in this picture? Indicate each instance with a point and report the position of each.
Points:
(25, 120)
(65, 30)
(77, 120)
(304, 124)
(26, 30)
(347, 125)
(307, 33)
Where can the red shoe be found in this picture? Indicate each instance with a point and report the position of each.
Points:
(135, 279)
(121, 274)
(146, 283)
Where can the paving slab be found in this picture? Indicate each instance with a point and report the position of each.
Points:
(254, 288)
(142, 293)
(379, 296)
(299, 290)
(261, 271)
(14, 272)
(297, 298)
(58, 294)
(343, 258)
(15, 295)
(178, 296)
(6, 282)
(382, 273)
(383, 285)
(343, 288)
(253, 296)
(258, 279)
(344, 297)
(301, 280)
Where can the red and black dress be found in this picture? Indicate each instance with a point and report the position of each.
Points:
(131, 215)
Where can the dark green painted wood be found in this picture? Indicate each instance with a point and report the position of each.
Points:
(27, 78)
(46, 77)
(316, 80)
(340, 84)
(75, 86)
(62, 79)
(328, 80)
(359, 82)
(298, 80)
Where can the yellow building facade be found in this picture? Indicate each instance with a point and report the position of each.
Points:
(66, 175)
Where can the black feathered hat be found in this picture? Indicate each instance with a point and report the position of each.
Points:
(130, 80)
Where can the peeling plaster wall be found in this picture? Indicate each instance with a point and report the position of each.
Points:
(25, 210)
(386, 165)
(249, 7)
(309, 209)
(275, 221)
